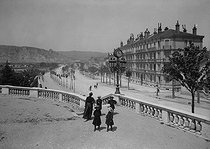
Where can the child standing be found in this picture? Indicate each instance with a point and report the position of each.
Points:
(97, 118)
(109, 118)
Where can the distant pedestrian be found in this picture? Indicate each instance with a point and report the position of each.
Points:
(90, 88)
(97, 118)
(88, 106)
(112, 102)
(99, 102)
(157, 90)
(109, 119)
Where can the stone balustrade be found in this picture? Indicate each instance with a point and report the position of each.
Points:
(44, 93)
(170, 116)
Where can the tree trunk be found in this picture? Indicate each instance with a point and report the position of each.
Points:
(173, 92)
(109, 78)
(106, 79)
(198, 97)
(114, 79)
(193, 101)
(101, 77)
(128, 82)
(120, 80)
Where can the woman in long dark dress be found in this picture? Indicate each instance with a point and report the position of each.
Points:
(88, 106)
(97, 118)
(112, 102)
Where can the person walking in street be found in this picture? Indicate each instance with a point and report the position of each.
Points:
(97, 117)
(157, 90)
(112, 102)
(88, 106)
(109, 118)
(99, 102)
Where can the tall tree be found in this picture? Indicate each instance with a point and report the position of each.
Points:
(185, 67)
(9, 77)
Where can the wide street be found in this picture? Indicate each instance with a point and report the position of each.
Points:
(144, 93)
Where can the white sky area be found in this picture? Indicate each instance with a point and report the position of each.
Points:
(94, 25)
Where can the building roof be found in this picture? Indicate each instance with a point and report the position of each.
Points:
(170, 33)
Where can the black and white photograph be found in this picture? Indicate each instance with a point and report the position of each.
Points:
(104, 74)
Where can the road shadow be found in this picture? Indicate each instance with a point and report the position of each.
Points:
(102, 128)
(113, 129)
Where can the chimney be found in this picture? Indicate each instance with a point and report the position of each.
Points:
(184, 28)
(166, 28)
(121, 44)
(128, 41)
(146, 33)
(155, 31)
(194, 30)
(177, 26)
(159, 28)
(141, 35)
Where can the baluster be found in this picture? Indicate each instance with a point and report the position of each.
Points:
(198, 127)
(192, 125)
(181, 122)
(156, 113)
(160, 114)
(176, 120)
(134, 105)
(171, 119)
(148, 110)
(186, 124)
(145, 110)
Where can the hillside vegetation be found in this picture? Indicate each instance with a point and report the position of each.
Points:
(24, 54)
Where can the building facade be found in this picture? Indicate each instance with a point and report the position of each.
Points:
(146, 54)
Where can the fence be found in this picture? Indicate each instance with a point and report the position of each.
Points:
(183, 120)
(173, 117)
(43, 93)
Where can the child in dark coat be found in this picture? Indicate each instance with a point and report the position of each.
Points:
(97, 118)
(109, 119)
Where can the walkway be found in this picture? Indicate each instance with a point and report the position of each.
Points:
(35, 123)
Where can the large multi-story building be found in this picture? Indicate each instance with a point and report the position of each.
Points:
(147, 53)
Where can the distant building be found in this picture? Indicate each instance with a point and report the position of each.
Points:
(147, 53)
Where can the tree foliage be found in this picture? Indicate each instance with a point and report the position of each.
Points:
(25, 78)
(185, 66)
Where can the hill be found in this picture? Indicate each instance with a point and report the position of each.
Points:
(24, 54)
(15, 54)
(83, 55)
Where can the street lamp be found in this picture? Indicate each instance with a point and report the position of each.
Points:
(117, 64)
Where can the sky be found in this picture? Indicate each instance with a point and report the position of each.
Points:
(95, 25)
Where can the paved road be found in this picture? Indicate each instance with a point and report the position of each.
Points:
(138, 92)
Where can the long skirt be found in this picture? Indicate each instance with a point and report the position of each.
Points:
(97, 121)
(88, 112)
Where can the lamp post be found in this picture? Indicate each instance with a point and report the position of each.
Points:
(117, 64)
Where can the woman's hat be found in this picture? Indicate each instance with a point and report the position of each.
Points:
(99, 96)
